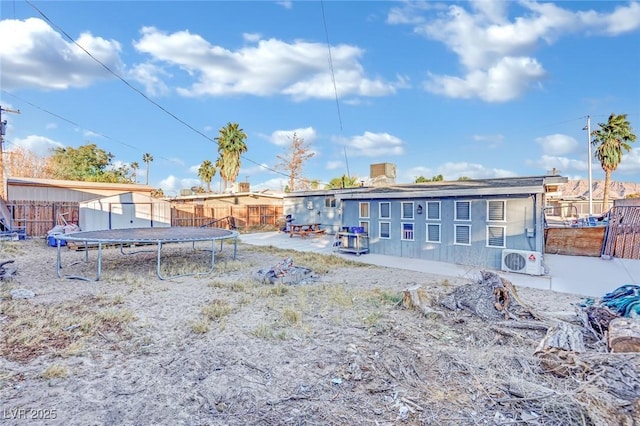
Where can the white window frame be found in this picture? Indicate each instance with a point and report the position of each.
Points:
(456, 204)
(439, 240)
(360, 206)
(427, 210)
(364, 224)
(504, 236)
(455, 235)
(330, 202)
(403, 235)
(504, 210)
(388, 204)
(402, 216)
(388, 236)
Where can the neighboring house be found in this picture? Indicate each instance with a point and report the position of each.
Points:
(260, 198)
(124, 211)
(465, 222)
(53, 190)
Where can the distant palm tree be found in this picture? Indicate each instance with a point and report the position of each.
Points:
(610, 142)
(147, 158)
(134, 171)
(206, 172)
(231, 146)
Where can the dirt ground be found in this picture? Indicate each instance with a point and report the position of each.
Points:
(228, 348)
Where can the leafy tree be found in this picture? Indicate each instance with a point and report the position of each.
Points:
(343, 181)
(231, 146)
(147, 158)
(610, 142)
(158, 193)
(464, 178)
(134, 171)
(206, 172)
(87, 163)
(298, 152)
(422, 179)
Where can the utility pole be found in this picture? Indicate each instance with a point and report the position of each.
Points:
(588, 129)
(3, 125)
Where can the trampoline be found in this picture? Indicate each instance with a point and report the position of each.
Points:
(147, 236)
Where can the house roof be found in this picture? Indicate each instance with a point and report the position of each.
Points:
(213, 196)
(74, 184)
(478, 187)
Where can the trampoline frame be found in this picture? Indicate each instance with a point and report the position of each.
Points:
(157, 236)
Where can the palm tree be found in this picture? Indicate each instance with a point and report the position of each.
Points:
(610, 142)
(206, 172)
(147, 158)
(231, 146)
(134, 171)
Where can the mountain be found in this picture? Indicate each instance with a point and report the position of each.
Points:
(618, 190)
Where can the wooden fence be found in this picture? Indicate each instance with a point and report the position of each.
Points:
(37, 218)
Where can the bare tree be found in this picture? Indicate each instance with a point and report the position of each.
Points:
(298, 152)
(24, 163)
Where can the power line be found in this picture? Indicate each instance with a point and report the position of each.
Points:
(333, 80)
(129, 85)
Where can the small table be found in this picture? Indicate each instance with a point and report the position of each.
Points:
(304, 229)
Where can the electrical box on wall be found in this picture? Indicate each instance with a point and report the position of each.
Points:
(309, 205)
(530, 232)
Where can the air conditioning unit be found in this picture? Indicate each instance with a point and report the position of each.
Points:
(522, 262)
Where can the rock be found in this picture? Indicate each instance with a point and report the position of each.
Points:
(21, 293)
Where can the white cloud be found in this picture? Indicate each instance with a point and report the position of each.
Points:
(283, 137)
(453, 171)
(334, 165)
(496, 51)
(39, 145)
(558, 144)
(504, 81)
(172, 185)
(276, 184)
(33, 55)
(266, 68)
(150, 76)
(490, 141)
(373, 145)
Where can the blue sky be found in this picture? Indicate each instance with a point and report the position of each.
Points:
(478, 89)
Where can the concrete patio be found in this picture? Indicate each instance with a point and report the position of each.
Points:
(586, 276)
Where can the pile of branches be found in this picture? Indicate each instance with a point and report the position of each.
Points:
(578, 348)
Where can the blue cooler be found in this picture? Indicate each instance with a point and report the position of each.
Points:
(52, 241)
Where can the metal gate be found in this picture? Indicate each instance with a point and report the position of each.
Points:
(622, 239)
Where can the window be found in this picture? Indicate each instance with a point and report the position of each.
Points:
(385, 210)
(407, 231)
(433, 210)
(496, 211)
(365, 226)
(462, 235)
(407, 210)
(385, 230)
(364, 210)
(433, 232)
(495, 236)
(330, 202)
(463, 210)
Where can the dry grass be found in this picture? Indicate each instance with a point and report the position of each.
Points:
(31, 330)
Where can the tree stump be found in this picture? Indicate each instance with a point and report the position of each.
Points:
(416, 297)
(624, 335)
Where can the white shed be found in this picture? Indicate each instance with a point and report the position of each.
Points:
(122, 211)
